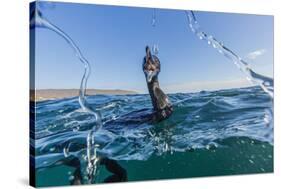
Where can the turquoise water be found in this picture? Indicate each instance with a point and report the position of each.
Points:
(224, 132)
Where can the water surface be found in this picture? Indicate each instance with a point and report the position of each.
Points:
(222, 132)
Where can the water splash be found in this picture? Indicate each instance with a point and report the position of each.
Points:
(155, 47)
(266, 83)
(153, 21)
(91, 159)
(37, 20)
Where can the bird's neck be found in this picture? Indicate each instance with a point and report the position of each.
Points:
(154, 86)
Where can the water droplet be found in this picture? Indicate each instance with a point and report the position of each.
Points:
(84, 157)
(75, 129)
(270, 156)
(155, 49)
(150, 133)
(153, 23)
(251, 161)
(211, 146)
(71, 177)
(66, 151)
(52, 149)
(166, 147)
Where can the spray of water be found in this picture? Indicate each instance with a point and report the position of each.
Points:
(37, 20)
(266, 83)
(155, 47)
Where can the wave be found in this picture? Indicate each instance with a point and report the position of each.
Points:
(200, 120)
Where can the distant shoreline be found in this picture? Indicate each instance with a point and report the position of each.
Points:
(50, 94)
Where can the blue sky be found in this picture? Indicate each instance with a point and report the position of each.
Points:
(113, 39)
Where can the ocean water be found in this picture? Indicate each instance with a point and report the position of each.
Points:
(210, 133)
